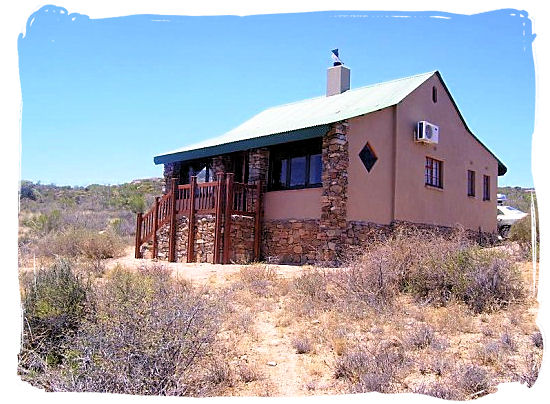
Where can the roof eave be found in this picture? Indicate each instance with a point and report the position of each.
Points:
(246, 144)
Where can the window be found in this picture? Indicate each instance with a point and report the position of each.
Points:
(200, 168)
(471, 183)
(368, 157)
(296, 165)
(486, 188)
(433, 172)
(434, 94)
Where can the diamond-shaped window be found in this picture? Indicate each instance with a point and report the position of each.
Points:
(368, 157)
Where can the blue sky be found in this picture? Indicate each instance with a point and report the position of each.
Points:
(101, 97)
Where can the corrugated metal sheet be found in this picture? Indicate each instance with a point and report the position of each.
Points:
(310, 113)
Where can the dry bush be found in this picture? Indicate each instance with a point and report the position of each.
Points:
(261, 280)
(375, 369)
(531, 373)
(433, 269)
(490, 353)
(145, 336)
(508, 341)
(79, 242)
(420, 337)
(372, 279)
(536, 338)
(310, 293)
(302, 345)
(472, 380)
(437, 389)
(249, 372)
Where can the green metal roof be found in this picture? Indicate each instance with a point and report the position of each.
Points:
(302, 120)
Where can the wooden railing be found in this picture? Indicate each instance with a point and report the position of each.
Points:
(200, 198)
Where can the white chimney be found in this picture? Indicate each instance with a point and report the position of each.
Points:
(337, 76)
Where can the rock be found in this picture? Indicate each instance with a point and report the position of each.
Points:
(315, 321)
(271, 363)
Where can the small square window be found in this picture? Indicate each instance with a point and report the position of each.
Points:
(368, 157)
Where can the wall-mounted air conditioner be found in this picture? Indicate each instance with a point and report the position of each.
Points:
(427, 132)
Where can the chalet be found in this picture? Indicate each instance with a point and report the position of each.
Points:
(302, 182)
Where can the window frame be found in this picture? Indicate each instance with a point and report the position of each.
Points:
(471, 183)
(486, 187)
(433, 177)
(289, 151)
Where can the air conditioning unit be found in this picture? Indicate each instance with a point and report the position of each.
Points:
(427, 132)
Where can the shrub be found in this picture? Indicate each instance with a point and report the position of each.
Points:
(302, 345)
(537, 339)
(437, 269)
(521, 232)
(310, 292)
(473, 380)
(508, 341)
(75, 242)
(421, 337)
(438, 390)
(259, 279)
(372, 278)
(490, 353)
(531, 374)
(54, 302)
(145, 337)
(368, 370)
(249, 373)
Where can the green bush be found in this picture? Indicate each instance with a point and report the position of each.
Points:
(54, 303)
(521, 232)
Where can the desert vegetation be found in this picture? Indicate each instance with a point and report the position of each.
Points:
(416, 312)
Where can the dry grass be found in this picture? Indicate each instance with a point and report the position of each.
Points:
(354, 329)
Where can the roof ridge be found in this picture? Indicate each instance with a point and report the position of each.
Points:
(429, 73)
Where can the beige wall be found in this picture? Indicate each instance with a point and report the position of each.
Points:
(370, 193)
(459, 152)
(293, 204)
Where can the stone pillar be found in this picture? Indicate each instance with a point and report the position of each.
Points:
(333, 224)
(171, 170)
(258, 165)
(221, 164)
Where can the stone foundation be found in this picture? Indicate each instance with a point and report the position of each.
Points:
(242, 239)
(291, 241)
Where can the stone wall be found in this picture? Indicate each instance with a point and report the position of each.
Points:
(333, 226)
(242, 239)
(258, 166)
(291, 241)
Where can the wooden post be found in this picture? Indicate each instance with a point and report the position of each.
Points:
(173, 223)
(228, 209)
(138, 235)
(191, 224)
(218, 227)
(155, 225)
(258, 221)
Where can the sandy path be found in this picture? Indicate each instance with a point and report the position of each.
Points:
(201, 273)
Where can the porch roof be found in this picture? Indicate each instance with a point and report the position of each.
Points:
(305, 119)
